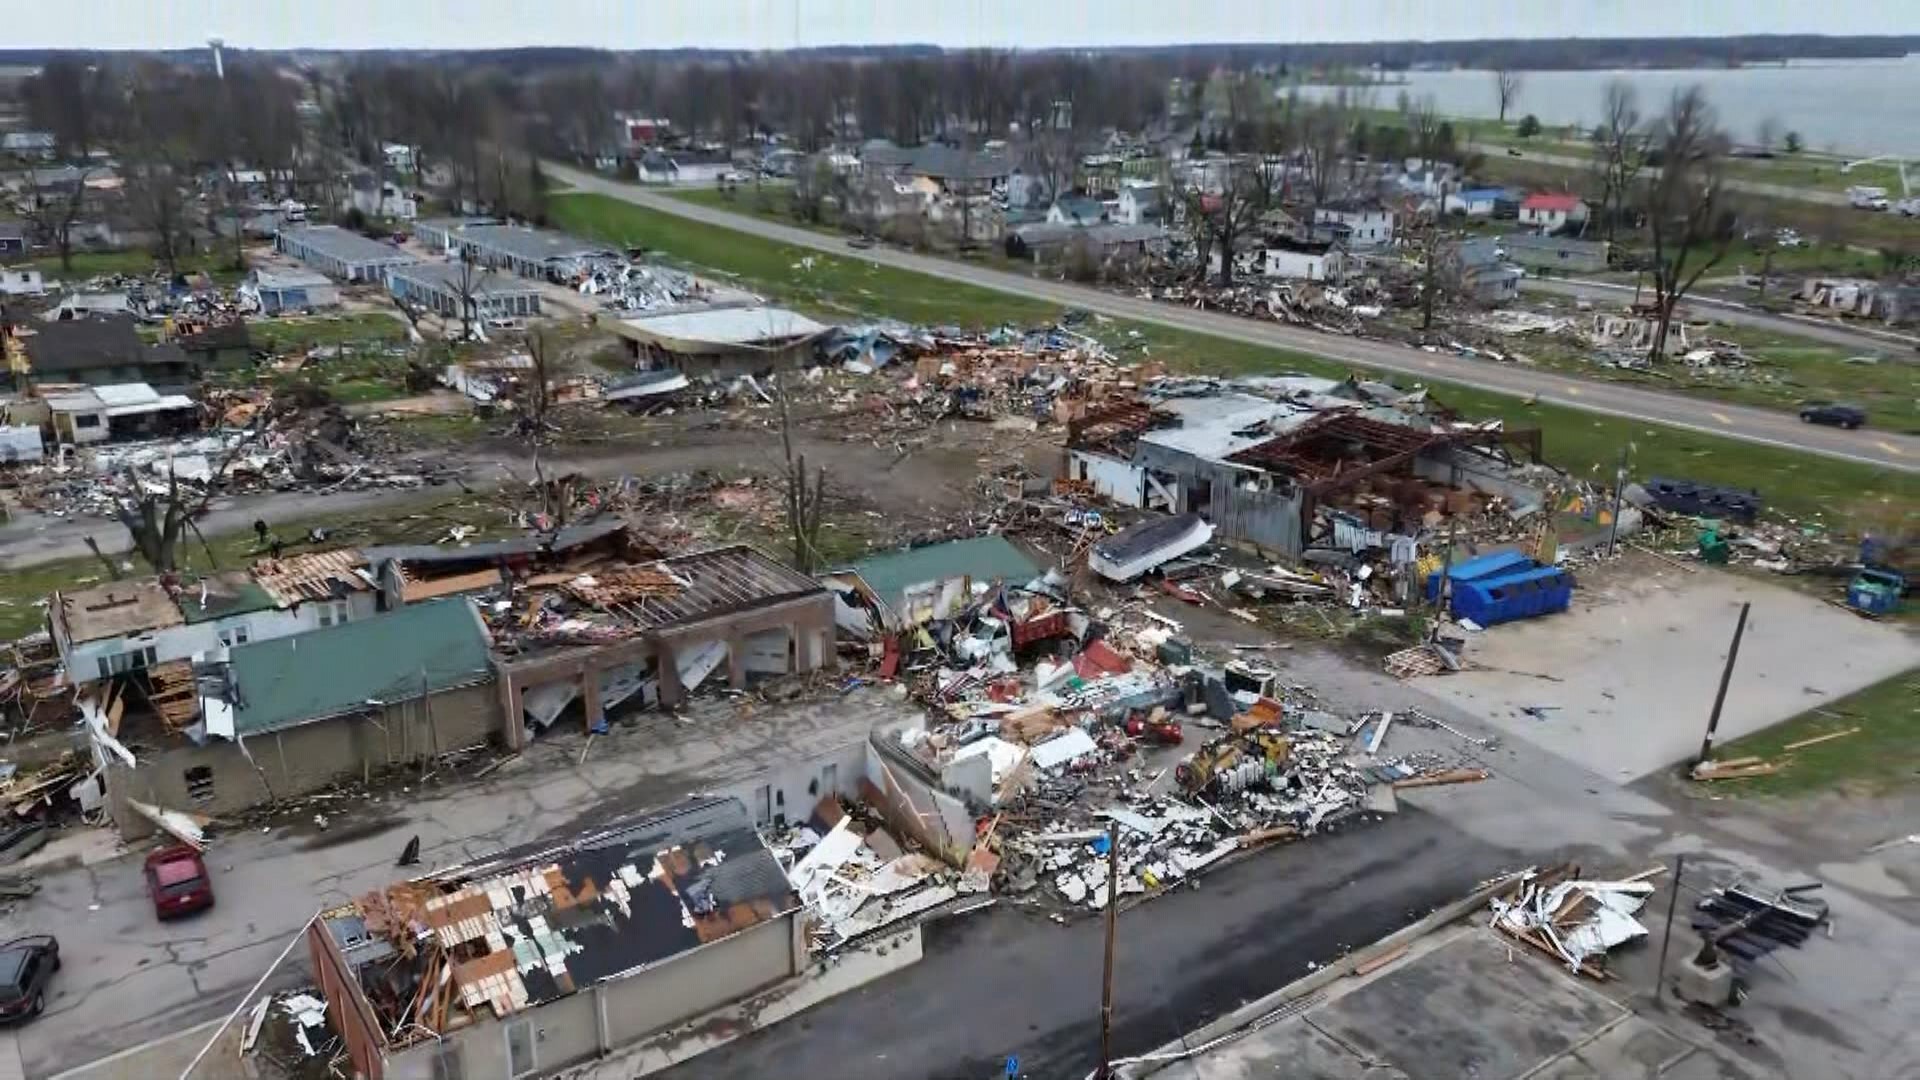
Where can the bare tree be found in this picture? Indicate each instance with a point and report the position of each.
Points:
(157, 521)
(1766, 134)
(1326, 129)
(1423, 119)
(468, 285)
(535, 403)
(804, 499)
(1620, 151)
(812, 182)
(54, 215)
(1439, 270)
(1506, 86)
(1686, 205)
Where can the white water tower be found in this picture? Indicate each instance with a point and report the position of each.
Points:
(219, 68)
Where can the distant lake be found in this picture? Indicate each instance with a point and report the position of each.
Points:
(1858, 107)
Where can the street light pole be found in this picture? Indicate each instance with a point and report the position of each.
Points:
(1726, 677)
(1106, 978)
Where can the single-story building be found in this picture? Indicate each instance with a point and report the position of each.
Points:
(1555, 252)
(100, 351)
(121, 411)
(1077, 210)
(519, 249)
(680, 620)
(1484, 273)
(445, 288)
(1050, 241)
(279, 291)
(555, 955)
(221, 345)
(21, 282)
(21, 444)
(720, 341)
(1474, 202)
(341, 254)
(291, 715)
(1552, 211)
(923, 584)
(13, 239)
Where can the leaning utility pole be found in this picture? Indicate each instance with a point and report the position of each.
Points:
(1726, 677)
(1106, 979)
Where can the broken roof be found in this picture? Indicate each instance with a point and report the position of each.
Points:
(313, 575)
(720, 582)
(520, 241)
(217, 596)
(981, 559)
(540, 924)
(399, 656)
(116, 609)
(716, 329)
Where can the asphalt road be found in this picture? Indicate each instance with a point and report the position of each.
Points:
(1866, 339)
(1766, 427)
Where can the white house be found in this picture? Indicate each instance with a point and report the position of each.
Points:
(1474, 202)
(1302, 261)
(1366, 225)
(399, 157)
(21, 282)
(124, 626)
(1141, 204)
(1076, 210)
(1551, 212)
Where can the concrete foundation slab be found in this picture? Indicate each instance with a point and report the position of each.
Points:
(1466, 1009)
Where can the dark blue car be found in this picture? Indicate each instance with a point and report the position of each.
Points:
(1828, 412)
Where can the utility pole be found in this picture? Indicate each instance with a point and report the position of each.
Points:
(1726, 677)
(1673, 902)
(1106, 979)
(1619, 486)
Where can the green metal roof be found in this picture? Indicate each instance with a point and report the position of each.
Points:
(398, 656)
(982, 558)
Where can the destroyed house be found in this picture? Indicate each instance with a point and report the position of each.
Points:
(533, 253)
(545, 958)
(129, 411)
(923, 584)
(339, 253)
(1275, 475)
(411, 573)
(653, 632)
(289, 716)
(721, 341)
(226, 345)
(99, 350)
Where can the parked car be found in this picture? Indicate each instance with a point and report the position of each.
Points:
(178, 882)
(1828, 412)
(26, 966)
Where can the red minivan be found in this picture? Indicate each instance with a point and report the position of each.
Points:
(178, 881)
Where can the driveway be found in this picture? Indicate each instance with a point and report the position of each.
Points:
(1763, 426)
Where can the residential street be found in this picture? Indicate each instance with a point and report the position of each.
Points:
(1763, 426)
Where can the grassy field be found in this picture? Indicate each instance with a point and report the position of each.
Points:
(1585, 444)
(1882, 755)
(87, 264)
(289, 335)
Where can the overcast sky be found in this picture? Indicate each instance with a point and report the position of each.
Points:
(776, 24)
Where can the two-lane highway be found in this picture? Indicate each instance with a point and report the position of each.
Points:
(1762, 426)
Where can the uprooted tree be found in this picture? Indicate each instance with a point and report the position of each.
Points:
(1686, 205)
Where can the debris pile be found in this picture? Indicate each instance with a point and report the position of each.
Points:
(1576, 921)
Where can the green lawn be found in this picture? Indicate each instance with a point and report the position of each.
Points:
(288, 335)
(88, 264)
(1584, 443)
(1884, 754)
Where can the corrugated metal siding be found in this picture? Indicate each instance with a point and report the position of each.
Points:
(1268, 520)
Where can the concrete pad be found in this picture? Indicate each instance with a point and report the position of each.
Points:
(1633, 667)
(1293, 1049)
(1466, 1009)
(1628, 1050)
